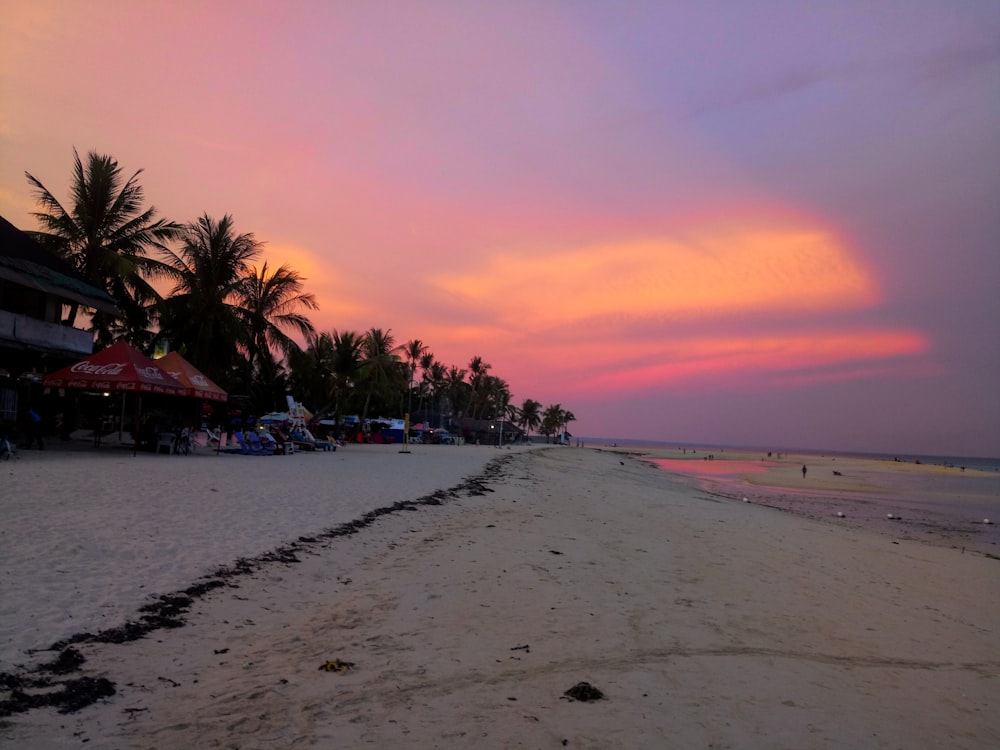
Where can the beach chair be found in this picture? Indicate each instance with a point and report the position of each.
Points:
(268, 443)
(212, 438)
(164, 440)
(244, 443)
(7, 449)
(304, 437)
(184, 443)
(297, 442)
(256, 447)
(325, 445)
(283, 445)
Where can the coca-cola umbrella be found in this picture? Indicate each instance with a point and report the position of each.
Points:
(120, 367)
(197, 383)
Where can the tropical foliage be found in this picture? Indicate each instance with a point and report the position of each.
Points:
(239, 319)
(202, 315)
(106, 234)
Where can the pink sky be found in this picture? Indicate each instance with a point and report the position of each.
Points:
(754, 223)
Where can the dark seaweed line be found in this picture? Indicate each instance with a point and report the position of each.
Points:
(169, 610)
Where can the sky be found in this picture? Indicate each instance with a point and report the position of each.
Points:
(745, 222)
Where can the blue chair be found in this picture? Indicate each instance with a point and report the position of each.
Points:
(244, 445)
(305, 436)
(256, 447)
(268, 443)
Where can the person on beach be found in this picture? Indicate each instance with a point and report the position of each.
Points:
(34, 429)
(803, 471)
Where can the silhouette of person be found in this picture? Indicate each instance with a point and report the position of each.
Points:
(803, 471)
(35, 429)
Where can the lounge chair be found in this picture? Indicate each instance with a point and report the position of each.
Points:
(244, 443)
(297, 442)
(327, 445)
(256, 447)
(268, 442)
(283, 445)
(305, 437)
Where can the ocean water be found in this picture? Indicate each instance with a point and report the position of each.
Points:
(979, 463)
(939, 508)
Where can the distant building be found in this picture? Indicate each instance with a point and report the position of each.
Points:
(485, 431)
(34, 287)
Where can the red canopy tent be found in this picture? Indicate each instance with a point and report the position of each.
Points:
(120, 367)
(197, 384)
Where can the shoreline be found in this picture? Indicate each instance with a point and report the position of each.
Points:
(928, 502)
(701, 621)
(989, 464)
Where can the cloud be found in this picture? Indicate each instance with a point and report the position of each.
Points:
(811, 355)
(716, 272)
(750, 300)
(947, 63)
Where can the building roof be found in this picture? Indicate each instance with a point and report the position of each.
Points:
(25, 262)
(484, 425)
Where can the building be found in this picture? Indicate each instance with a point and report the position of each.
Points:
(35, 285)
(486, 431)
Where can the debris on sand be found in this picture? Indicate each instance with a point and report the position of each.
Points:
(336, 665)
(72, 695)
(584, 691)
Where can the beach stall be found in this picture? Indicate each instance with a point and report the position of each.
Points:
(196, 383)
(199, 386)
(122, 368)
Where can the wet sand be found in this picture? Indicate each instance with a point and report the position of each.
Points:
(931, 503)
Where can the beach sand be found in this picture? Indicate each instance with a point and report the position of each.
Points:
(705, 622)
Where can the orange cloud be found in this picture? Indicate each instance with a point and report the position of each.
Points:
(712, 356)
(634, 314)
(707, 273)
(621, 316)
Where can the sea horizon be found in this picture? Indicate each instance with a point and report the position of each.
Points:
(980, 463)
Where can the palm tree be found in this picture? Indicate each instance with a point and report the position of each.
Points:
(435, 379)
(202, 313)
(414, 350)
(567, 417)
(457, 392)
(105, 235)
(426, 362)
(379, 368)
(494, 396)
(529, 415)
(312, 372)
(552, 420)
(348, 347)
(268, 303)
(477, 372)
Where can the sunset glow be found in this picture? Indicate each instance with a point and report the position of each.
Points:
(757, 358)
(703, 274)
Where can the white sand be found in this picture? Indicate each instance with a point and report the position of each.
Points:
(89, 537)
(705, 623)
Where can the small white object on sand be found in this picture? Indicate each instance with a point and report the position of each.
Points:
(987, 521)
(840, 514)
(889, 516)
